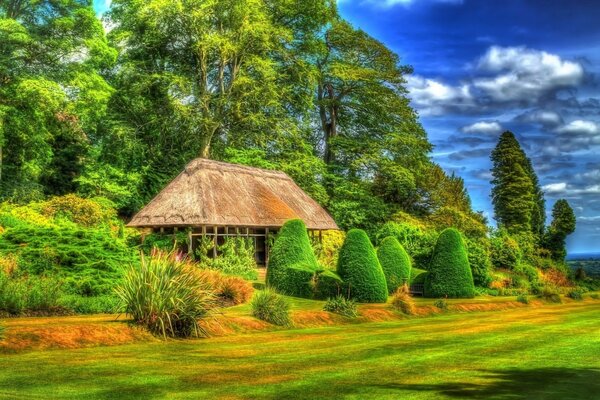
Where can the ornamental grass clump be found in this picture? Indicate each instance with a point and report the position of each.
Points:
(402, 301)
(167, 295)
(360, 270)
(395, 263)
(341, 305)
(270, 306)
(449, 271)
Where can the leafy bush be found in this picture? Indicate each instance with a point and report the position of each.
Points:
(28, 293)
(292, 264)
(167, 242)
(442, 304)
(2, 329)
(418, 275)
(105, 304)
(551, 294)
(522, 298)
(403, 302)
(90, 261)
(85, 212)
(327, 284)
(576, 294)
(341, 305)
(236, 257)
(595, 296)
(416, 240)
(360, 270)
(449, 272)
(271, 307)
(166, 295)
(479, 260)
(505, 251)
(395, 263)
(327, 250)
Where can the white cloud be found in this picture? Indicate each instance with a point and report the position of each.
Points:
(580, 127)
(431, 96)
(486, 127)
(555, 188)
(392, 3)
(525, 75)
(595, 218)
(543, 117)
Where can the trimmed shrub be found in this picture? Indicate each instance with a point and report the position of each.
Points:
(166, 295)
(449, 272)
(395, 263)
(271, 307)
(418, 275)
(341, 305)
(292, 264)
(403, 302)
(576, 294)
(416, 240)
(327, 284)
(360, 270)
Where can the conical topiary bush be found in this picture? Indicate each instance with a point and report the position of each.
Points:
(360, 270)
(395, 263)
(449, 271)
(292, 263)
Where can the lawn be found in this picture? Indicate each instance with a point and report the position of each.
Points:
(547, 352)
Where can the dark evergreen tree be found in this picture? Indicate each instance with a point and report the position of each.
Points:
(513, 188)
(563, 224)
(538, 212)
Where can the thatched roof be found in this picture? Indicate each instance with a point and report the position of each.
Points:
(216, 193)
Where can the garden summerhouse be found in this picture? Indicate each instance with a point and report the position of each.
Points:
(218, 200)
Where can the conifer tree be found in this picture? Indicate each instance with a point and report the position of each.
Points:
(513, 188)
(563, 224)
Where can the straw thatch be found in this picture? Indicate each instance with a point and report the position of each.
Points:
(215, 193)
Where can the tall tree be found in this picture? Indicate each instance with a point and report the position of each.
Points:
(512, 186)
(563, 224)
(51, 93)
(538, 212)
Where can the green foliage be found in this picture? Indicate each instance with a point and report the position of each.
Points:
(395, 263)
(269, 306)
(19, 295)
(166, 295)
(292, 264)
(104, 304)
(480, 262)
(328, 248)
(513, 190)
(522, 298)
(575, 294)
(360, 270)
(449, 272)
(327, 284)
(442, 304)
(416, 240)
(550, 294)
(341, 305)
(505, 251)
(235, 257)
(563, 224)
(418, 276)
(2, 329)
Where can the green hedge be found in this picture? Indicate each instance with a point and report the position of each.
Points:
(449, 272)
(359, 267)
(292, 263)
(395, 263)
(328, 284)
(418, 276)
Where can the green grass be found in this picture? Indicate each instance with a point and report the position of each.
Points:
(547, 352)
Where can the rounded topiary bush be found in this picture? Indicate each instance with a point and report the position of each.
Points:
(395, 263)
(360, 270)
(292, 263)
(449, 271)
(328, 284)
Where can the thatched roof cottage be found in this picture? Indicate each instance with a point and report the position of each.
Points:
(219, 200)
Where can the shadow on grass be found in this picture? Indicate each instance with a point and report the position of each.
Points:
(542, 383)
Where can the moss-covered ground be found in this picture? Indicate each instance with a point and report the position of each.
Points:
(531, 352)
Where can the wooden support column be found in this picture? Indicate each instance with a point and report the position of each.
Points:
(267, 248)
(215, 231)
(320, 236)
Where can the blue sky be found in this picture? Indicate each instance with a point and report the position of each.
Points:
(482, 67)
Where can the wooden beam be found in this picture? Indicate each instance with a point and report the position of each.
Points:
(215, 231)
(190, 246)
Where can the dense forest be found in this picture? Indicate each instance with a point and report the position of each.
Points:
(113, 109)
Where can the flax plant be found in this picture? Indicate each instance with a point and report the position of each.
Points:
(167, 294)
